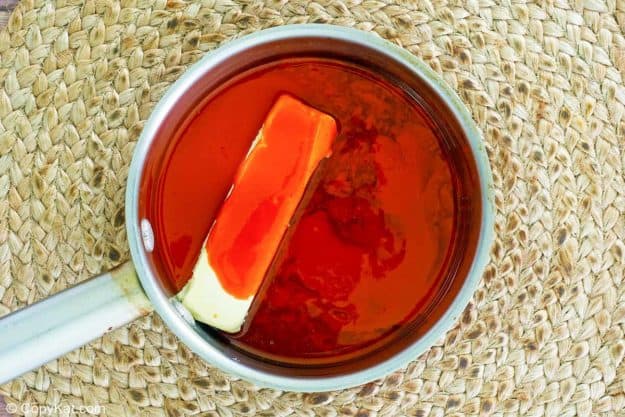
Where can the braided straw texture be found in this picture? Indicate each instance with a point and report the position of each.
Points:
(544, 332)
(5, 11)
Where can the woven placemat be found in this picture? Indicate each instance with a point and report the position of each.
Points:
(5, 10)
(544, 332)
(6, 6)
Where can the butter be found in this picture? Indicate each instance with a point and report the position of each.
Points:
(247, 232)
(209, 303)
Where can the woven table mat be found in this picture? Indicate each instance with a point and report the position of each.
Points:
(5, 10)
(543, 335)
(6, 6)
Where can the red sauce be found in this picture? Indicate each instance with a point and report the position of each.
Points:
(370, 249)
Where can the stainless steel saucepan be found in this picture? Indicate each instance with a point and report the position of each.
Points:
(41, 332)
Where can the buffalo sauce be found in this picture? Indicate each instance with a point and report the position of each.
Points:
(371, 246)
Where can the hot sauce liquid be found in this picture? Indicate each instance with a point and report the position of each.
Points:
(372, 245)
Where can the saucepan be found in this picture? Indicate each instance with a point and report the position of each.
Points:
(45, 330)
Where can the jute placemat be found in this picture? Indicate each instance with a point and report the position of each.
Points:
(544, 332)
(6, 6)
(5, 10)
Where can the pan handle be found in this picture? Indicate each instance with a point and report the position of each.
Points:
(43, 331)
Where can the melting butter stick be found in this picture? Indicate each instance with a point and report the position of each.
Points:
(253, 219)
